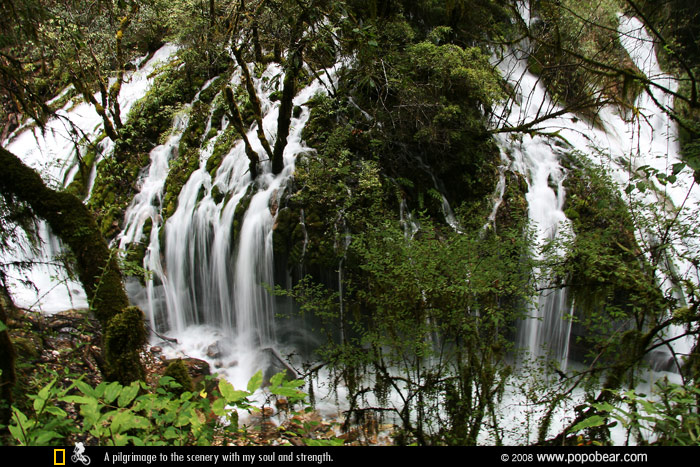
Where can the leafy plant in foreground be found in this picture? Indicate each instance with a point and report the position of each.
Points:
(117, 415)
(670, 417)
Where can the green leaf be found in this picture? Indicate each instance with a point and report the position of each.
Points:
(677, 167)
(590, 422)
(44, 392)
(87, 389)
(277, 379)
(77, 399)
(324, 442)
(112, 391)
(219, 407)
(44, 437)
(255, 382)
(57, 411)
(287, 392)
(128, 394)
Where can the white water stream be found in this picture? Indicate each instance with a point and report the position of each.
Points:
(618, 144)
(208, 284)
(54, 154)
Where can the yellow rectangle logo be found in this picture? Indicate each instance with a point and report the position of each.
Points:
(59, 457)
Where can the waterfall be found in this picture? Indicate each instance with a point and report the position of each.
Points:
(211, 262)
(619, 145)
(209, 276)
(545, 330)
(54, 154)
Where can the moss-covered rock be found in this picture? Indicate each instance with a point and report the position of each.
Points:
(222, 146)
(177, 370)
(187, 159)
(125, 337)
(609, 282)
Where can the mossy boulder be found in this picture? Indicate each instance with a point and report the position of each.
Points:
(125, 336)
(177, 370)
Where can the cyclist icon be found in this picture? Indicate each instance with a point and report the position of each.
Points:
(78, 455)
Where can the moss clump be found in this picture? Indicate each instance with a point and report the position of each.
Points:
(288, 235)
(222, 147)
(609, 282)
(187, 160)
(125, 336)
(178, 371)
(216, 194)
(512, 213)
(135, 253)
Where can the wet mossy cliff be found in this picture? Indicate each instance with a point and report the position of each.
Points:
(401, 132)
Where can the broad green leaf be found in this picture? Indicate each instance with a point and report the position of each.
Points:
(128, 394)
(287, 392)
(171, 433)
(39, 403)
(87, 389)
(121, 422)
(100, 389)
(677, 167)
(57, 411)
(44, 392)
(231, 395)
(77, 399)
(277, 379)
(17, 434)
(324, 442)
(591, 422)
(219, 407)
(255, 382)
(112, 391)
(44, 437)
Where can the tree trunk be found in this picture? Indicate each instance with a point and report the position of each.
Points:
(7, 366)
(284, 119)
(73, 223)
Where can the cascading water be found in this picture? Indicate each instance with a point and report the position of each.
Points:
(545, 331)
(208, 284)
(54, 153)
(616, 143)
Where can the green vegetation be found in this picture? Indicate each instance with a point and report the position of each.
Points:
(111, 414)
